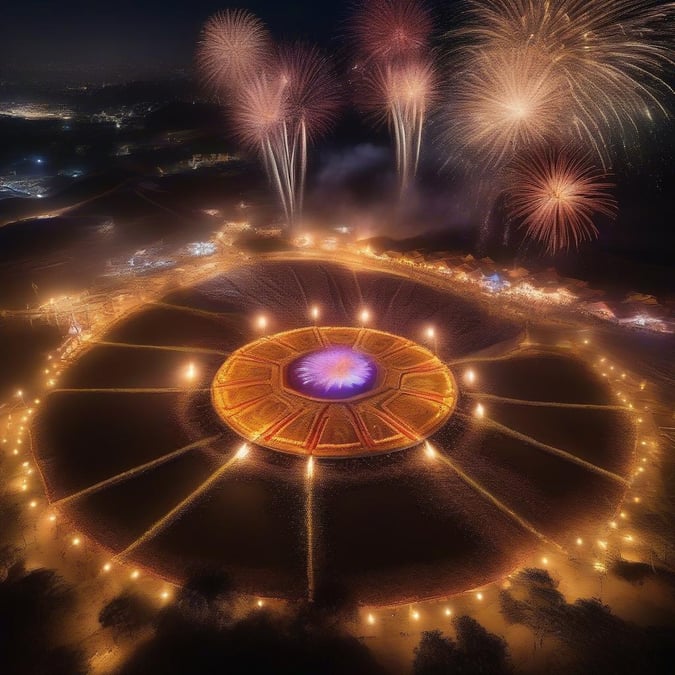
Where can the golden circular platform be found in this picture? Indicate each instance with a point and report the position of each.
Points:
(413, 394)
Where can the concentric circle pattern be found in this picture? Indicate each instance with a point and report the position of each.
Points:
(413, 394)
(136, 457)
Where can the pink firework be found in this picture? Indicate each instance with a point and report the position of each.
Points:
(312, 92)
(554, 194)
(232, 46)
(388, 30)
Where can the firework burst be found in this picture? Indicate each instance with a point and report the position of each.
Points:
(504, 100)
(388, 30)
(609, 55)
(554, 194)
(232, 46)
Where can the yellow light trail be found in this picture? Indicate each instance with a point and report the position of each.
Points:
(550, 449)
(485, 359)
(126, 390)
(525, 524)
(177, 510)
(169, 348)
(136, 471)
(309, 524)
(193, 310)
(545, 404)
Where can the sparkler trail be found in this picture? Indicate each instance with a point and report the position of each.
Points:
(136, 471)
(177, 510)
(548, 448)
(525, 524)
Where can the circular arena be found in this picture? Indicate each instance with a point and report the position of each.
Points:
(295, 422)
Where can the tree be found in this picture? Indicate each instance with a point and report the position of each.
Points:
(33, 607)
(126, 614)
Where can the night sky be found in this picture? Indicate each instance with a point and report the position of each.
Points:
(143, 35)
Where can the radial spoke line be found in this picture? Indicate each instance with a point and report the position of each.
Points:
(545, 404)
(127, 390)
(168, 348)
(136, 471)
(484, 359)
(525, 524)
(192, 310)
(550, 449)
(177, 510)
(309, 525)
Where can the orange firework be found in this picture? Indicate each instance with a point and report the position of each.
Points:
(554, 194)
(504, 100)
(608, 53)
(233, 44)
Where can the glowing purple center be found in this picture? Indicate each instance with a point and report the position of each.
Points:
(333, 372)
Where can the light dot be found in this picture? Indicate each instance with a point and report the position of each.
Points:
(470, 376)
(479, 596)
(580, 541)
(415, 615)
(76, 541)
(448, 611)
(107, 567)
(260, 603)
(371, 619)
(544, 561)
(479, 411)
(135, 574)
(33, 504)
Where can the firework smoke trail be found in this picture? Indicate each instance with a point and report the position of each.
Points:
(554, 193)
(608, 55)
(313, 102)
(400, 83)
(401, 94)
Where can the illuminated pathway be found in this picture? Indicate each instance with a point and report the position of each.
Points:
(136, 471)
(176, 511)
(546, 404)
(525, 524)
(549, 448)
(309, 524)
(168, 348)
(126, 390)
(192, 310)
